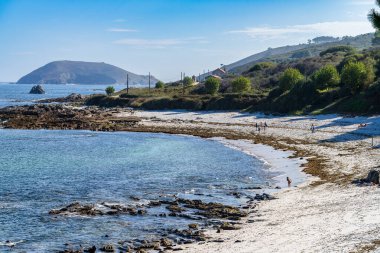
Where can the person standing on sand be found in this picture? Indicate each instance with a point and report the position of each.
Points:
(289, 181)
(312, 128)
(257, 126)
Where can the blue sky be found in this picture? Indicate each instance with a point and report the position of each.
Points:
(165, 37)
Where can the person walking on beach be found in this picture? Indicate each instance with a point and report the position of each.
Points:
(312, 128)
(257, 126)
(289, 181)
(265, 126)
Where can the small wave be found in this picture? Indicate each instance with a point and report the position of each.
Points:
(10, 243)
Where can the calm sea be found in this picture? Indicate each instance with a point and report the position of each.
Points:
(18, 94)
(42, 170)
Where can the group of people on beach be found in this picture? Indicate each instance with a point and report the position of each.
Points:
(261, 126)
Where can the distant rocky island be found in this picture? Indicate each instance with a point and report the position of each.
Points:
(79, 72)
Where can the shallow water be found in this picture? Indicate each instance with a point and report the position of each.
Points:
(18, 94)
(42, 169)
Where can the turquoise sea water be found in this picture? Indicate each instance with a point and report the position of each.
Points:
(42, 170)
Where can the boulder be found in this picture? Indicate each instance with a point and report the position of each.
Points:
(108, 248)
(37, 89)
(165, 242)
(373, 177)
(74, 97)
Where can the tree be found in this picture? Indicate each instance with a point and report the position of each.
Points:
(212, 85)
(354, 76)
(327, 76)
(241, 84)
(187, 80)
(160, 85)
(376, 39)
(324, 39)
(110, 90)
(290, 78)
(374, 17)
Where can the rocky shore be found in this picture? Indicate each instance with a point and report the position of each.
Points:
(58, 116)
(202, 216)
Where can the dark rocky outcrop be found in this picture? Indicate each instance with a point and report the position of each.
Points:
(373, 177)
(37, 89)
(72, 98)
(91, 210)
(58, 116)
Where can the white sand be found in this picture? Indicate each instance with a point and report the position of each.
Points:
(324, 218)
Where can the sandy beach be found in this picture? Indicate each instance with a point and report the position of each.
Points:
(325, 214)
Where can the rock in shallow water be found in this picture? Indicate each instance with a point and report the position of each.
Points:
(37, 89)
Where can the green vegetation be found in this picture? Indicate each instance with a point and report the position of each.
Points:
(262, 66)
(187, 80)
(285, 54)
(355, 76)
(374, 17)
(376, 39)
(333, 50)
(110, 90)
(241, 84)
(340, 81)
(301, 54)
(290, 78)
(160, 85)
(326, 77)
(212, 85)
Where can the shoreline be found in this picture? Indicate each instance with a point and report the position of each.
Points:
(325, 215)
(276, 161)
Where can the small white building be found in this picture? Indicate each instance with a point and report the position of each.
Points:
(218, 73)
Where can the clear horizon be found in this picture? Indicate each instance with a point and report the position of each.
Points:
(164, 37)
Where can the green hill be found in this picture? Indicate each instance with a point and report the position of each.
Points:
(289, 53)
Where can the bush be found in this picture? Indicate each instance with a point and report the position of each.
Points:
(355, 76)
(290, 78)
(301, 54)
(332, 50)
(187, 80)
(241, 84)
(261, 66)
(327, 76)
(350, 58)
(160, 85)
(110, 90)
(212, 85)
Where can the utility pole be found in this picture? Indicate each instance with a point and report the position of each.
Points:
(149, 82)
(127, 84)
(183, 84)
